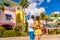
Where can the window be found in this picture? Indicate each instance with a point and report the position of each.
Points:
(8, 17)
(18, 17)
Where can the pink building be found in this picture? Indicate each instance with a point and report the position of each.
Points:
(7, 18)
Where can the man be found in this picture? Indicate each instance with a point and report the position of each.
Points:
(30, 29)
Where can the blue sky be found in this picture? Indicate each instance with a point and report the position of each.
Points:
(52, 6)
(16, 1)
(49, 5)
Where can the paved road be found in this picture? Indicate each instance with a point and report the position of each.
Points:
(44, 37)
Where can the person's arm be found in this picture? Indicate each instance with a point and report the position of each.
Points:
(41, 26)
(33, 25)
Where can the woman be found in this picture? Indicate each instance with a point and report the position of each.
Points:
(38, 28)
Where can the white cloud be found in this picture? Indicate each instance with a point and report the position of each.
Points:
(48, 1)
(30, 1)
(37, 11)
(42, 9)
(41, 1)
(32, 5)
(32, 8)
(57, 12)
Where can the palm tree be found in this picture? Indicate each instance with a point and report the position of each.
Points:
(23, 4)
(46, 17)
(42, 15)
(55, 15)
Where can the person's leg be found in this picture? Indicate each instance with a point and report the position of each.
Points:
(39, 37)
(36, 37)
(31, 35)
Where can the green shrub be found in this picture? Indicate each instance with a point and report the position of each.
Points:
(57, 31)
(18, 33)
(9, 33)
(52, 32)
(1, 31)
(25, 34)
(18, 30)
(26, 31)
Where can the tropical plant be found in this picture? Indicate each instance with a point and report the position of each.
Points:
(55, 15)
(23, 4)
(52, 32)
(55, 31)
(46, 17)
(18, 30)
(42, 15)
(2, 31)
(9, 33)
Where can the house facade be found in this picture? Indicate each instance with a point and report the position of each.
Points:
(7, 17)
(20, 17)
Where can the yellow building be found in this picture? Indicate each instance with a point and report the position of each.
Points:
(20, 17)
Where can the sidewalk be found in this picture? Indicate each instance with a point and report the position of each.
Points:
(44, 37)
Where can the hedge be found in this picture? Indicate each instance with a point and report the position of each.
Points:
(54, 31)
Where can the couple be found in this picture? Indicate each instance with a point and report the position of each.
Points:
(35, 28)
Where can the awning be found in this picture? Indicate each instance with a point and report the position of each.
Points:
(4, 23)
(8, 14)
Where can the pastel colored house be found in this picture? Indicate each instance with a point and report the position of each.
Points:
(20, 17)
(7, 18)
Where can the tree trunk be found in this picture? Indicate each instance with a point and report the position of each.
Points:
(23, 22)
